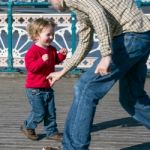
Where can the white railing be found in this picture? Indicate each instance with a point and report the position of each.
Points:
(21, 43)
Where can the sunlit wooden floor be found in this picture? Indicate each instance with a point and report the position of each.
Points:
(113, 129)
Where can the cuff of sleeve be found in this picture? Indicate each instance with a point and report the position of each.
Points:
(61, 56)
(106, 53)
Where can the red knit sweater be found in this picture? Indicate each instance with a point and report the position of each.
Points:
(37, 69)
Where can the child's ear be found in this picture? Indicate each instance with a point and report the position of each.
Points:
(36, 38)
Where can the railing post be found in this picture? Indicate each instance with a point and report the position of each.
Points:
(73, 28)
(138, 3)
(75, 71)
(10, 54)
(141, 3)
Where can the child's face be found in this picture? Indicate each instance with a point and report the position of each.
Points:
(45, 37)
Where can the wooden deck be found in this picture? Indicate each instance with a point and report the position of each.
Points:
(113, 129)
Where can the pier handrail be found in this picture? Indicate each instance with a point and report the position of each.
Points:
(10, 5)
(141, 3)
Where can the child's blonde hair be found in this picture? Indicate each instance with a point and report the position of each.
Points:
(36, 27)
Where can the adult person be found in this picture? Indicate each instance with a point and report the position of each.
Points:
(124, 35)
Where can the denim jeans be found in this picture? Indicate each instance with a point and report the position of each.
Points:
(43, 109)
(130, 53)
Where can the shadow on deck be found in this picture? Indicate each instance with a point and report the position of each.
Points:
(113, 129)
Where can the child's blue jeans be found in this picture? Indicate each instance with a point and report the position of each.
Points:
(130, 53)
(43, 109)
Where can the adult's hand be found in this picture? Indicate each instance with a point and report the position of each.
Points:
(103, 68)
(54, 76)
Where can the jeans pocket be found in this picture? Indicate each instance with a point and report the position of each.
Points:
(35, 92)
(136, 44)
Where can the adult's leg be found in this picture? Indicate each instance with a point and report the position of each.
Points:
(91, 88)
(132, 96)
(88, 91)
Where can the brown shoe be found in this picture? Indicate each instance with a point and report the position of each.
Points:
(29, 133)
(56, 137)
(51, 148)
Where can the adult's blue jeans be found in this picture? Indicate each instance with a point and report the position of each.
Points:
(43, 109)
(130, 53)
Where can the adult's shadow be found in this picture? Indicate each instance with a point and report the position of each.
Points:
(143, 146)
(41, 136)
(123, 122)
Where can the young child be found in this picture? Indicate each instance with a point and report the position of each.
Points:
(40, 60)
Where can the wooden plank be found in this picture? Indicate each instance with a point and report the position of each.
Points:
(113, 129)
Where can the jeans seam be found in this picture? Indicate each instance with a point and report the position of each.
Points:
(85, 87)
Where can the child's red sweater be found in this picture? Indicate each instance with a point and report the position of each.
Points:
(37, 69)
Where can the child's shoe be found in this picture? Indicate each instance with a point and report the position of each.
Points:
(29, 133)
(57, 137)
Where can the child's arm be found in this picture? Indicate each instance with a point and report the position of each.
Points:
(61, 55)
(32, 64)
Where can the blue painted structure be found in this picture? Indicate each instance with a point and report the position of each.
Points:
(141, 3)
(10, 5)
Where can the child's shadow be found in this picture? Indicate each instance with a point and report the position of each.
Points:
(143, 146)
(123, 122)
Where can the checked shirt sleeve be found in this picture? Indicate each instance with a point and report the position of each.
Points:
(100, 23)
(84, 46)
(91, 16)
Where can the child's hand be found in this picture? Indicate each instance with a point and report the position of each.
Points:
(45, 57)
(63, 51)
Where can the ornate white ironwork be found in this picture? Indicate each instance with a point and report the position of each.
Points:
(21, 43)
(20, 40)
